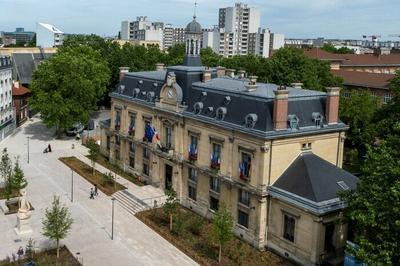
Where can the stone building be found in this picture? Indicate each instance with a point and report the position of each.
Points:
(271, 154)
(7, 122)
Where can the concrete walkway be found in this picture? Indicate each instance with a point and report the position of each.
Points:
(134, 243)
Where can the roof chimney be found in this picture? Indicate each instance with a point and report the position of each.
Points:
(122, 72)
(230, 73)
(252, 85)
(160, 67)
(16, 84)
(220, 71)
(280, 115)
(332, 105)
(206, 75)
(297, 85)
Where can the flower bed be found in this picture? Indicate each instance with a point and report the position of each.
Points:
(192, 235)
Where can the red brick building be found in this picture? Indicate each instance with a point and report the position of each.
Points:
(20, 101)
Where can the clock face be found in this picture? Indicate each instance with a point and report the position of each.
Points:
(170, 93)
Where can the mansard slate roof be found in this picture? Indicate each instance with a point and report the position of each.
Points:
(193, 27)
(315, 179)
(26, 63)
(312, 183)
(213, 94)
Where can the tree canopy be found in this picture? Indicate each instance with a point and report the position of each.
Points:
(374, 207)
(66, 87)
(332, 49)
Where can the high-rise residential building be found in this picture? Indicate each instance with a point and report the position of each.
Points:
(239, 33)
(7, 123)
(143, 29)
(240, 20)
(48, 35)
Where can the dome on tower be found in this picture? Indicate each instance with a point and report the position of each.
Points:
(193, 27)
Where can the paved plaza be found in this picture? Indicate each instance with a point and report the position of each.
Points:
(134, 243)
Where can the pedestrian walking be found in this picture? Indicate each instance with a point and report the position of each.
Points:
(49, 147)
(20, 252)
(91, 193)
(96, 193)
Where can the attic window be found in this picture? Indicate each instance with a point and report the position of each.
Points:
(150, 96)
(220, 113)
(317, 118)
(136, 92)
(197, 108)
(306, 146)
(250, 121)
(293, 122)
(343, 185)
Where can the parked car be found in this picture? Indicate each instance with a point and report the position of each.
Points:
(75, 129)
(90, 125)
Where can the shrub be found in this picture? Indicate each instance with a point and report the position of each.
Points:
(195, 225)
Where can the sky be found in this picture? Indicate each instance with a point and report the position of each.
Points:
(294, 18)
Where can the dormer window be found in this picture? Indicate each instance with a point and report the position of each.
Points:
(150, 96)
(250, 121)
(220, 113)
(136, 92)
(293, 122)
(198, 107)
(318, 119)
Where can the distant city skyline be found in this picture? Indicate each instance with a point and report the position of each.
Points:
(296, 19)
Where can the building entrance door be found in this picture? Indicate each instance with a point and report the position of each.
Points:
(168, 176)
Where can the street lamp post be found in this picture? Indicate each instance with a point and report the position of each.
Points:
(72, 185)
(28, 148)
(112, 219)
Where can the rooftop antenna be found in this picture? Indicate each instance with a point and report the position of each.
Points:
(195, 7)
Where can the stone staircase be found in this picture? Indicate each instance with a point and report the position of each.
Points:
(129, 202)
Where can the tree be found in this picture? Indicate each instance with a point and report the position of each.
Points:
(332, 49)
(94, 151)
(374, 207)
(171, 205)
(57, 222)
(6, 173)
(18, 180)
(66, 88)
(209, 58)
(222, 227)
(358, 112)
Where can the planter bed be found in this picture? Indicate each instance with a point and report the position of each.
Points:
(86, 172)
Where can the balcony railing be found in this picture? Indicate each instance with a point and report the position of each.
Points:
(192, 153)
(244, 171)
(215, 163)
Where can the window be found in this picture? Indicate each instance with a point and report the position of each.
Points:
(117, 120)
(293, 122)
(146, 153)
(117, 140)
(374, 94)
(245, 166)
(387, 98)
(192, 174)
(132, 160)
(243, 218)
(329, 237)
(317, 118)
(108, 142)
(215, 184)
(193, 148)
(244, 197)
(306, 146)
(147, 124)
(145, 169)
(220, 113)
(132, 122)
(216, 156)
(214, 203)
(250, 121)
(117, 155)
(192, 191)
(289, 224)
(168, 137)
(132, 147)
(346, 94)
(197, 108)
